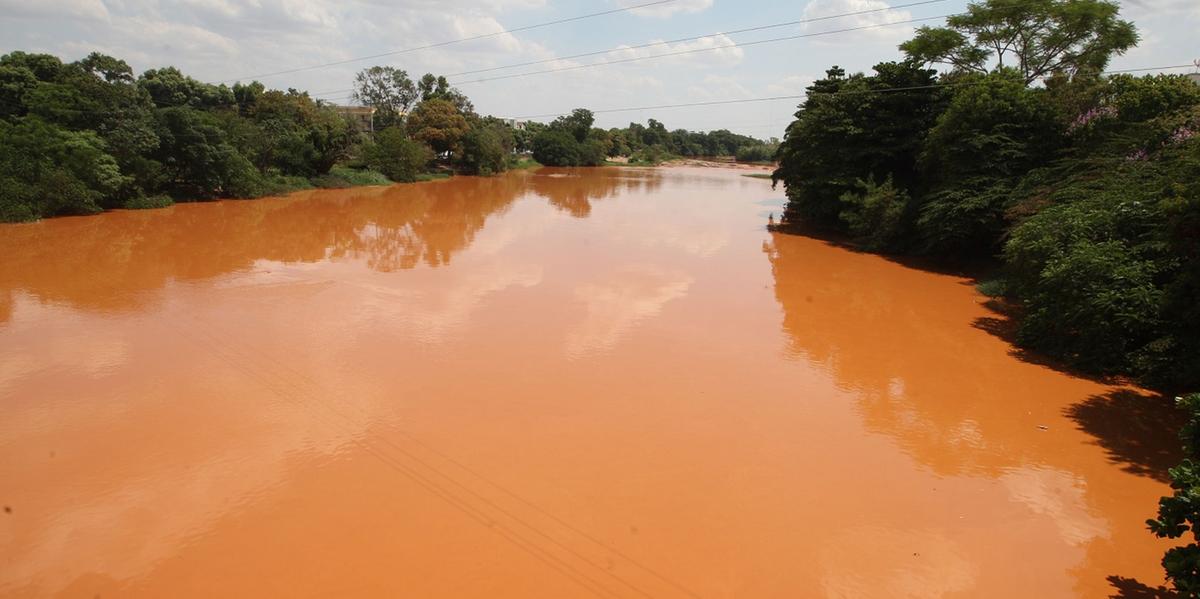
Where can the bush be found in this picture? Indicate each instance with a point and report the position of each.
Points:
(554, 147)
(965, 220)
(148, 202)
(342, 176)
(482, 152)
(877, 217)
(50, 171)
(650, 156)
(1179, 514)
(757, 153)
(1094, 305)
(592, 153)
(396, 156)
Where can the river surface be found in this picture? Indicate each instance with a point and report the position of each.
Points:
(607, 382)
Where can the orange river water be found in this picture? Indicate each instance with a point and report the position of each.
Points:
(563, 383)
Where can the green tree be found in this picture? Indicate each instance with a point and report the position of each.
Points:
(439, 124)
(578, 124)
(397, 156)
(556, 147)
(853, 128)
(1036, 37)
(437, 88)
(168, 88)
(388, 90)
(483, 151)
(994, 131)
(46, 170)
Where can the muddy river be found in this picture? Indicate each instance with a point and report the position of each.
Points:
(609, 382)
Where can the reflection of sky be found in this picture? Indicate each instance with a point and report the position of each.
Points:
(606, 350)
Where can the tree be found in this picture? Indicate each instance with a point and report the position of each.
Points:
(846, 132)
(46, 170)
(168, 87)
(395, 155)
(437, 88)
(1179, 514)
(556, 147)
(388, 90)
(993, 133)
(1036, 37)
(296, 135)
(578, 124)
(483, 151)
(439, 124)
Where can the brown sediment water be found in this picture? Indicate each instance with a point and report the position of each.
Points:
(562, 383)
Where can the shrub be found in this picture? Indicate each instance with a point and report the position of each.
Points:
(148, 202)
(757, 153)
(482, 152)
(342, 176)
(396, 156)
(554, 147)
(877, 216)
(1179, 514)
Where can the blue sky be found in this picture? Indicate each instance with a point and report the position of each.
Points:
(224, 39)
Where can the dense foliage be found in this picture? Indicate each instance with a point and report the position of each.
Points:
(1086, 188)
(1179, 514)
(77, 138)
(86, 136)
(571, 140)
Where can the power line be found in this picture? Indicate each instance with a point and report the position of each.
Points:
(674, 41)
(451, 42)
(802, 96)
(692, 51)
(709, 49)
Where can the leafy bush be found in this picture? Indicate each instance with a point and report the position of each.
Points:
(397, 156)
(757, 153)
(482, 152)
(592, 153)
(148, 202)
(878, 215)
(1179, 514)
(342, 176)
(554, 147)
(49, 171)
(650, 156)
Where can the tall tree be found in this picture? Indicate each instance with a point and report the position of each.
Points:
(388, 90)
(439, 124)
(1036, 37)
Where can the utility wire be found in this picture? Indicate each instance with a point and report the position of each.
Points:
(451, 42)
(672, 41)
(801, 96)
(683, 52)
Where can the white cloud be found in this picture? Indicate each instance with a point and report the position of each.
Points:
(717, 49)
(86, 10)
(666, 9)
(819, 9)
(617, 303)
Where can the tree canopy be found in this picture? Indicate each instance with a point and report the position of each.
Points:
(1035, 37)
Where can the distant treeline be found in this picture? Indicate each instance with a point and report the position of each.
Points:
(1086, 187)
(85, 136)
(571, 140)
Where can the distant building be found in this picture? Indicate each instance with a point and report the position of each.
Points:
(1195, 77)
(516, 124)
(362, 117)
